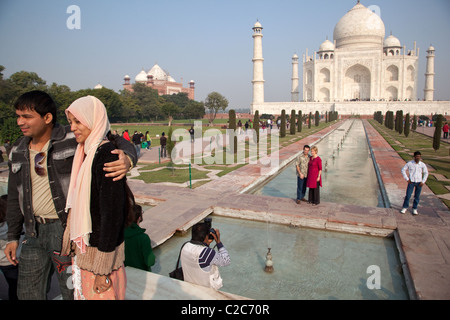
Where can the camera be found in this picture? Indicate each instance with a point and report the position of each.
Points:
(208, 222)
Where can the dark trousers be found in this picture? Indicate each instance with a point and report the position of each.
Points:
(314, 194)
(39, 256)
(301, 188)
(11, 274)
(409, 191)
(163, 151)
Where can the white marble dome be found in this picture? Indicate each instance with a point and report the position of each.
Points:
(327, 45)
(158, 73)
(141, 77)
(359, 28)
(391, 41)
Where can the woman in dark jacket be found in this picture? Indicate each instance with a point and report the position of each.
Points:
(97, 207)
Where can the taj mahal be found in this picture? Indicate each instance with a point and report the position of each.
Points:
(361, 71)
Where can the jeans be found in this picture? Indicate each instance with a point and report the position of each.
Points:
(409, 191)
(301, 188)
(138, 149)
(39, 256)
(163, 151)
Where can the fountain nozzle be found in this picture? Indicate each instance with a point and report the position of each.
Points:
(269, 262)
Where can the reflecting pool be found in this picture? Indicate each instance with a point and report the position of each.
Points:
(348, 174)
(308, 264)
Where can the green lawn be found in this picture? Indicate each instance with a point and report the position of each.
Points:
(175, 174)
(181, 174)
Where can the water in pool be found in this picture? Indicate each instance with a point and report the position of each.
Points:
(308, 264)
(350, 177)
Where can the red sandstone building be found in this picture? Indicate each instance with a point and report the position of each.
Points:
(160, 80)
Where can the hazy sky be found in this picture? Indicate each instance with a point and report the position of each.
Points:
(208, 41)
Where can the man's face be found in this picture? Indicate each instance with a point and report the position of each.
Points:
(31, 123)
(305, 151)
(417, 158)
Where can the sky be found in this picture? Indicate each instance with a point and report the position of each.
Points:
(208, 41)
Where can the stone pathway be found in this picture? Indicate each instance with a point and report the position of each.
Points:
(429, 131)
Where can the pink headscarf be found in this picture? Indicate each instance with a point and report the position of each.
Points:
(91, 112)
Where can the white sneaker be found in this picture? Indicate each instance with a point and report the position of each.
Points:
(415, 211)
(403, 210)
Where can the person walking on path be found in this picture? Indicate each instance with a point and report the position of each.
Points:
(126, 136)
(301, 166)
(191, 132)
(136, 138)
(148, 140)
(314, 180)
(445, 130)
(416, 178)
(163, 143)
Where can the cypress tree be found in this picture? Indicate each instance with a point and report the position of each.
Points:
(299, 121)
(414, 123)
(400, 122)
(283, 124)
(396, 121)
(309, 120)
(292, 125)
(232, 125)
(406, 130)
(256, 125)
(317, 118)
(437, 133)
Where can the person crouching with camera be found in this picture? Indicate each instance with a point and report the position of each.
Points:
(200, 263)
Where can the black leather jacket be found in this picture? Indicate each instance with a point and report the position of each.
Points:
(59, 164)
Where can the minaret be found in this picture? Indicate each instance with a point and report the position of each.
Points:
(258, 79)
(294, 92)
(429, 75)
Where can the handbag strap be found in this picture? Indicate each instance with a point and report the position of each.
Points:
(179, 255)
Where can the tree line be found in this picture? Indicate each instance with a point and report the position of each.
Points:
(142, 104)
(403, 124)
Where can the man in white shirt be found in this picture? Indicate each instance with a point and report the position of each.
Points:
(417, 176)
(199, 262)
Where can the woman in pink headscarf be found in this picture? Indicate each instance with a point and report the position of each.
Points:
(97, 207)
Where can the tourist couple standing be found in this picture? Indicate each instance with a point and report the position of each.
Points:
(309, 175)
(69, 208)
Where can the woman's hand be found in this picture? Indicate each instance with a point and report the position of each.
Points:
(102, 283)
